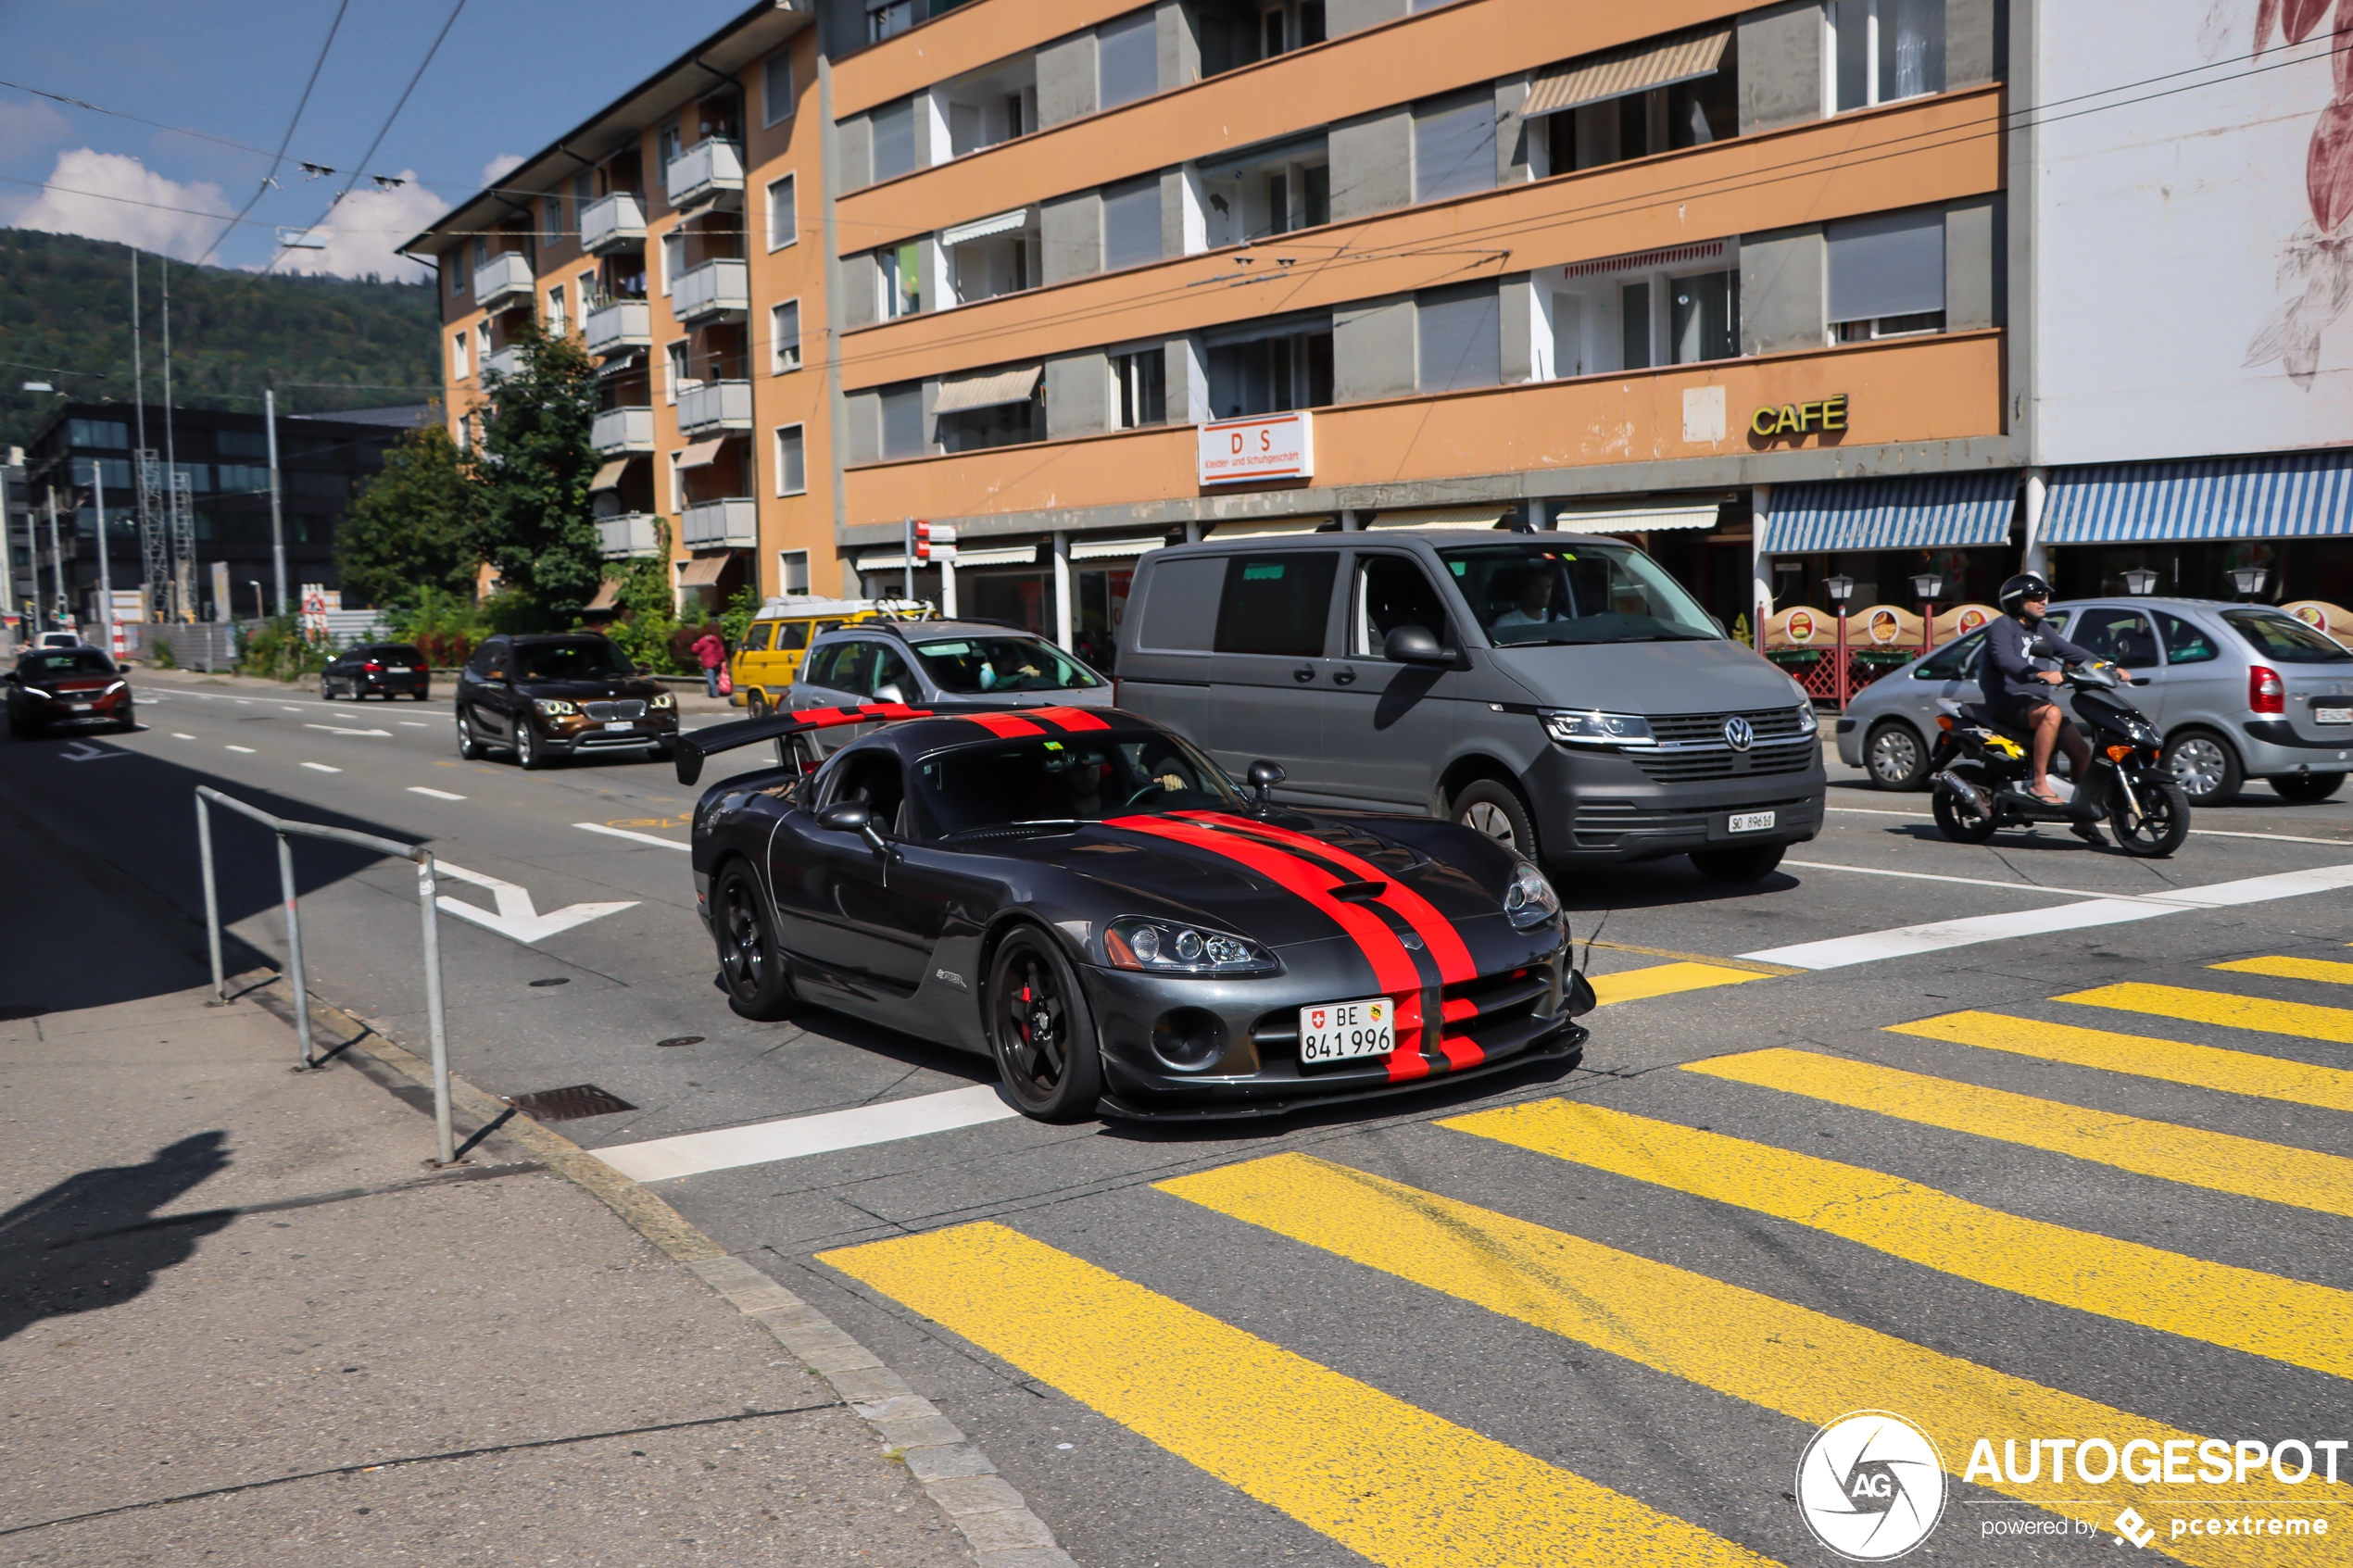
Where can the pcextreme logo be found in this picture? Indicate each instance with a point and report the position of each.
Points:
(1870, 1485)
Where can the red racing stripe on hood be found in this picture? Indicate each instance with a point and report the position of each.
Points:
(1068, 717)
(1455, 963)
(1004, 726)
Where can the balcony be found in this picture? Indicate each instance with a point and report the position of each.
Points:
(619, 327)
(716, 291)
(505, 362)
(502, 280)
(614, 223)
(732, 524)
(631, 533)
(707, 170)
(713, 406)
(622, 429)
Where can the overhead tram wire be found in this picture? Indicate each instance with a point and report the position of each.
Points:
(278, 159)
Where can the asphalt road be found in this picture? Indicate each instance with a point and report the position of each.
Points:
(2026, 1175)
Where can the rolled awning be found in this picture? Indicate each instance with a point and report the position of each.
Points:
(2293, 496)
(1933, 512)
(608, 477)
(986, 228)
(703, 572)
(988, 391)
(1622, 72)
(1440, 516)
(1634, 520)
(606, 592)
(1115, 549)
(698, 455)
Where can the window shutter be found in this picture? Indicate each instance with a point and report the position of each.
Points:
(786, 325)
(1131, 223)
(1454, 146)
(903, 421)
(775, 86)
(894, 132)
(1128, 59)
(1888, 264)
(792, 474)
(1462, 338)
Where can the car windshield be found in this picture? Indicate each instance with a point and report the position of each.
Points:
(1047, 781)
(68, 662)
(2280, 636)
(967, 665)
(1525, 592)
(586, 659)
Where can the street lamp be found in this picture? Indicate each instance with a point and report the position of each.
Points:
(2249, 579)
(1929, 587)
(260, 605)
(1839, 588)
(2141, 581)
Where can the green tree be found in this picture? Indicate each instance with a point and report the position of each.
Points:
(410, 533)
(644, 596)
(533, 522)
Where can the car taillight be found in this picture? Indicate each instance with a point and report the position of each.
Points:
(372, 667)
(2266, 693)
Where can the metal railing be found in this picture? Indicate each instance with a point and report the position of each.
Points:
(207, 796)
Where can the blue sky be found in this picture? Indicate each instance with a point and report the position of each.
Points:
(507, 80)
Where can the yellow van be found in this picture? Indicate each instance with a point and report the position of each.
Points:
(779, 637)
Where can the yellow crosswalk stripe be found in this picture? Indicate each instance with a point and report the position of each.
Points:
(2192, 1156)
(2220, 1006)
(2291, 1321)
(2175, 1062)
(1801, 1364)
(1666, 980)
(1389, 1481)
(2330, 970)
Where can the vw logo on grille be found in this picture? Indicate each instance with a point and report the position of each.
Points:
(1739, 734)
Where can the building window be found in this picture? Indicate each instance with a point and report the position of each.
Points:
(1143, 387)
(454, 262)
(673, 258)
(482, 252)
(583, 192)
(792, 475)
(666, 147)
(1126, 60)
(1886, 275)
(792, 572)
(585, 290)
(677, 484)
(902, 285)
(555, 311)
(110, 433)
(554, 208)
(889, 18)
(1131, 223)
(903, 420)
(482, 342)
(1705, 317)
(1454, 145)
(776, 87)
(783, 337)
(1461, 337)
(1688, 114)
(1270, 374)
(1886, 50)
(1004, 424)
(894, 136)
(678, 376)
(784, 214)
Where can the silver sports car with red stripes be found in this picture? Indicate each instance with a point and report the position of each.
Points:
(1082, 896)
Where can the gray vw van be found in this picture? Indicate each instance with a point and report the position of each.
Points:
(1557, 692)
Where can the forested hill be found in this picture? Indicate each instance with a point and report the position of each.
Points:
(65, 303)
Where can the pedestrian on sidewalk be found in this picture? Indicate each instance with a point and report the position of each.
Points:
(710, 653)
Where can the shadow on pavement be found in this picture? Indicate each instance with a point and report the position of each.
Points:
(93, 1239)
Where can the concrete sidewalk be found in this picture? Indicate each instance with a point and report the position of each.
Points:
(241, 1322)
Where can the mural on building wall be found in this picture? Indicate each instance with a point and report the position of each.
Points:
(2193, 229)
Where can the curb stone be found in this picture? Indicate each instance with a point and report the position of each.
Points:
(997, 1523)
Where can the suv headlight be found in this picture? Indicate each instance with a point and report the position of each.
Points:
(1595, 728)
(661, 700)
(1807, 721)
(1159, 946)
(1529, 901)
(554, 707)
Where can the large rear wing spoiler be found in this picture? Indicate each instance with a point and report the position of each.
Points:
(790, 731)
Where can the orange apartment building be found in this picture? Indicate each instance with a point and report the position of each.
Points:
(1729, 280)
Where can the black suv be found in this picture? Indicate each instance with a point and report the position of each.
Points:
(560, 695)
(384, 670)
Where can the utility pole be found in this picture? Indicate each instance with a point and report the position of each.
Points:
(907, 580)
(105, 578)
(181, 541)
(277, 514)
(57, 561)
(138, 384)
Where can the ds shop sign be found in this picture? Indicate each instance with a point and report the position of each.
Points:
(1270, 447)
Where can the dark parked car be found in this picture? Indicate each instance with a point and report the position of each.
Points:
(51, 688)
(1082, 896)
(560, 695)
(384, 670)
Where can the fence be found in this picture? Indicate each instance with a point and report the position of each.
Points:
(207, 796)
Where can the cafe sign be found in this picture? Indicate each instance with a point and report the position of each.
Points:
(1800, 419)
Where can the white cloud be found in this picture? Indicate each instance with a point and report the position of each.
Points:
(497, 168)
(29, 124)
(110, 196)
(365, 226)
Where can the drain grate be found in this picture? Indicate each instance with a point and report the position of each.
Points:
(570, 1104)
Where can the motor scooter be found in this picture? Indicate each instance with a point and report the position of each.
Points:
(1980, 771)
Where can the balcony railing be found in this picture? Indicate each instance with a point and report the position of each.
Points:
(505, 362)
(502, 278)
(631, 533)
(704, 169)
(624, 324)
(622, 429)
(619, 219)
(712, 406)
(730, 524)
(713, 290)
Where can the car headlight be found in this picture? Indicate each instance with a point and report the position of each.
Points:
(1807, 723)
(1159, 946)
(661, 700)
(36, 692)
(1596, 728)
(116, 687)
(554, 707)
(1529, 901)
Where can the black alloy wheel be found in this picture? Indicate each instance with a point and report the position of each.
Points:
(529, 754)
(1894, 756)
(2164, 820)
(1494, 809)
(750, 966)
(470, 745)
(419, 693)
(1041, 1031)
(1749, 863)
(2306, 789)
(124, 717)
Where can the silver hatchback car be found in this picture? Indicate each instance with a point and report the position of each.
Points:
(2239, 691)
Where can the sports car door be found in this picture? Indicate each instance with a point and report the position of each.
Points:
(846, 905)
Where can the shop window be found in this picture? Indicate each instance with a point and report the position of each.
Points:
(1454, 145)
(1142, 378)
(1460, 333)
(1886, 50)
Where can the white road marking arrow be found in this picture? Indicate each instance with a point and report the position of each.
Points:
(336, 730)
(518, 918)
(84, 752)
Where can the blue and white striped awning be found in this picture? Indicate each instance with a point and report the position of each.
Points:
(2283, 496)
(1934, 511)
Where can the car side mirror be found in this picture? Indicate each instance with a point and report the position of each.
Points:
(889, 692)
(853, 816)
(1264, 776)
(1413, 644)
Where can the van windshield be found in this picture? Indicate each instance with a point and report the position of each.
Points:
(1529, 592)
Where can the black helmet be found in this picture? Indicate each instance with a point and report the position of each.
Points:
(2024, 586)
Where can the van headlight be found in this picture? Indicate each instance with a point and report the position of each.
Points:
(1529, 901)
(1161, 947)
(1807, 721)
(1596, 728)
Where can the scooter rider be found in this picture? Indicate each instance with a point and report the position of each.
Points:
(2015, 693)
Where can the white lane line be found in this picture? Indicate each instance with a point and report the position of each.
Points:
(2203, 832)
(321, 767)
(1840, 951)
(436, 793)
(337, 729)
(662, 1159)
(291, 709)
(178, 735)
(1930, 876)
(640, 837)
(415, 724)
(247, 750)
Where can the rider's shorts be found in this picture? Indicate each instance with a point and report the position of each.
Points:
(2017, 712)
